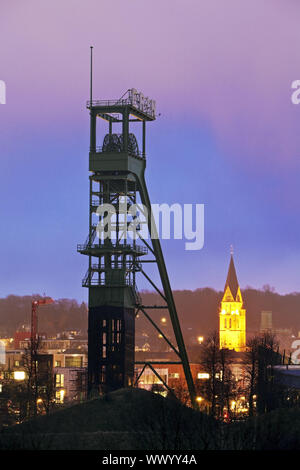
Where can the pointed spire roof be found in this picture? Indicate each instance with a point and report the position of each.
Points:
(231, 280)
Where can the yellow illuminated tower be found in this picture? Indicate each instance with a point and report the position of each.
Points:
(232, 316)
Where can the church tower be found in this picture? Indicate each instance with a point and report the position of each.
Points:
(232, 315)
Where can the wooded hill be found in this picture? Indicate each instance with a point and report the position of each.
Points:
(197, 311)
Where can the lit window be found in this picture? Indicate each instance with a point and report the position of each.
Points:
(202, 375)
(57, 363)
(103, 369)
(104, 337)
(174, 375)
(60, 379)
(73, 361)
(17, 363)
(59, 396)
(19, 375)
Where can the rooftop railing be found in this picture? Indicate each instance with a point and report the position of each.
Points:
(145, 107)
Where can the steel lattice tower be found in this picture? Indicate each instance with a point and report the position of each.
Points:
(117, 175)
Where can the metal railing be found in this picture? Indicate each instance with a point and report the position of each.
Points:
(88, 280)
(108, 283)
(128, 266)
(139, 154)
(113, 248)
(122, 102)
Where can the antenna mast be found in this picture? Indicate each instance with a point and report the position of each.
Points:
(91, 77)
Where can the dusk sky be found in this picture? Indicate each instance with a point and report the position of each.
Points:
(228, 135)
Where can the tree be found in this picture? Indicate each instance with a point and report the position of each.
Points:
(251, 358)
(262, 354)
(210, 361)
(218, 387)
(13, 408)
(181, 391)
(268, 357)
(226, 390)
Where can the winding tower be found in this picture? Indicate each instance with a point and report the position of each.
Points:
(117, 180)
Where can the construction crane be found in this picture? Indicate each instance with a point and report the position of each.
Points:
(34, 318)
(33, 369)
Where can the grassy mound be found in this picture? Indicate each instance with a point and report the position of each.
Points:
(122, 420)
(276, 430)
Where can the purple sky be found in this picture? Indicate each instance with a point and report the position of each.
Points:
(228, 135)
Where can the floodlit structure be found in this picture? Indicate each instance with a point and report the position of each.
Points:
(117, 180)
(232, 315)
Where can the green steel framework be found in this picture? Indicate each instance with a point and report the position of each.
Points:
(117, 170)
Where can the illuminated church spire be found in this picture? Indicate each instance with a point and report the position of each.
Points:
(232, 315)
